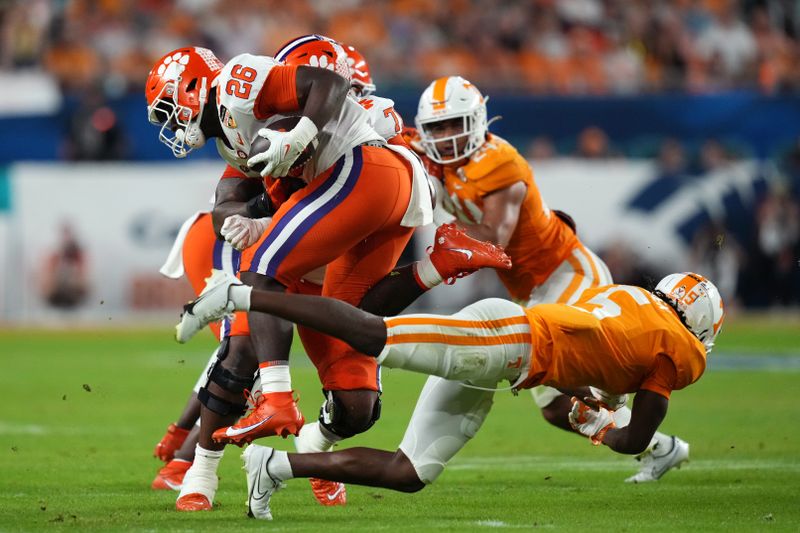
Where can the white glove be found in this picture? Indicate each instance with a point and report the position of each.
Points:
(284, 147)
(589, 422)
(243, 232)
(612, 402)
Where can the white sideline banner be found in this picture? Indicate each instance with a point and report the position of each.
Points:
(125, 216)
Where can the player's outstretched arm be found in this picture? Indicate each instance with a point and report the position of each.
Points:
(649, 410)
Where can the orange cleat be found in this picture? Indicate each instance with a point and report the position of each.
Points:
(170, 442)
(193, 502)
(328, 492)
(455, 254)
(170, 477)
(274, 413)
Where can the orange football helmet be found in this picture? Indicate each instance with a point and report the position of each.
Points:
(177, 90)
(361, 83)
(315, 51)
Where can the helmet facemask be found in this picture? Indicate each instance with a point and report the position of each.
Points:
(474, 127)
(179, 130)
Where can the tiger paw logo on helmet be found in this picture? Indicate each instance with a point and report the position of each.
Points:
(173, 65)
(315, 51)
(320, 61)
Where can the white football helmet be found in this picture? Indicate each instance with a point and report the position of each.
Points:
(698, 300)
(448, 98)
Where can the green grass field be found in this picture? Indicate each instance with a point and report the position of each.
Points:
(81, 412)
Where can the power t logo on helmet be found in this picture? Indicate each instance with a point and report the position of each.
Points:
(177, 90)
(698, 301)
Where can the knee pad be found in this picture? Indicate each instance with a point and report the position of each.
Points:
(333, 418)
(228, 381)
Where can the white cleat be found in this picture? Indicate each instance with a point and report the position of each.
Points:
(261, 483)
(655, 465)
(213, 304)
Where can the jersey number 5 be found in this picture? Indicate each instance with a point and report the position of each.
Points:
(241, 81)
(609, 308)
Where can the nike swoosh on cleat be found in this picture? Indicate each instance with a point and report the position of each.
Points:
(173, 486)
(231, 432)
(336, 493)
(464, 251)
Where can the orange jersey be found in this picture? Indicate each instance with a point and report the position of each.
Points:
(541, 241)
(618, 338)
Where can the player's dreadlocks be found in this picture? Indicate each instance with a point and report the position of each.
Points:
(673, 304)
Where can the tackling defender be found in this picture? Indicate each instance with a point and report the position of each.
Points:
(490, 189)
(621, 339)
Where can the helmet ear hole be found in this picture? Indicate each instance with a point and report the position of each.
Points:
(191, 85)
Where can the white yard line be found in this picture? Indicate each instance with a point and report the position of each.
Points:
(550, 464)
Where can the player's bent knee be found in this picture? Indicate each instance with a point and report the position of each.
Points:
(226, 398)
(348, 413)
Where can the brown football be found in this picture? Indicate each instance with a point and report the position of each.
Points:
(260, 144)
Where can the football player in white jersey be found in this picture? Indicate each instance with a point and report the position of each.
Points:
(356, 214)
(316, 51)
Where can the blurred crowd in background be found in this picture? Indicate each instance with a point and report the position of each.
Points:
(540, 46)
(98, 50)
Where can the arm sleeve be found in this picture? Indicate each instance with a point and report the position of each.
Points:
(279, 92)
(662, 379)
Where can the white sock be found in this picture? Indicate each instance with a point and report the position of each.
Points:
(275, 377)
(240, 296)
(426, 273)
(315, 438)
(279, 466)
(202, 475)
(206, 461)
(664, 444)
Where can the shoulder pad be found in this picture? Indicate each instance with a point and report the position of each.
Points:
(494, 153)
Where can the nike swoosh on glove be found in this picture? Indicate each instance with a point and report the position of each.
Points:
(284, 147)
